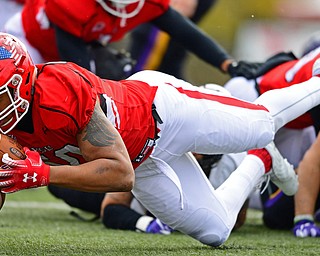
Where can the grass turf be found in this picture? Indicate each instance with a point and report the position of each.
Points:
(32, 222)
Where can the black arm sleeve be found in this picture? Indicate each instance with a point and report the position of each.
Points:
(191, 37)
(203, 7)
(72, 48)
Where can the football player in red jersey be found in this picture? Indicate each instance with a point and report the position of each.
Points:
(280, 75)
(72, 27)
(137, 134)
(33, 28)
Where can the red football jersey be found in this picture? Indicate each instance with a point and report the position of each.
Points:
(90, 21)
(64, 99)
(290, 73)
(87, 20)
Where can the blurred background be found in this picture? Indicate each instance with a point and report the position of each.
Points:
(254, 30)
(249, 29)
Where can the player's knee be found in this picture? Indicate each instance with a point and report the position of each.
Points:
(213, 240)
(215, 235)
(263, 131)
(264, 139)
(211, 229)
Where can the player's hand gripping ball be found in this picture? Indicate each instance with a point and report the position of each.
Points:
(14, 150)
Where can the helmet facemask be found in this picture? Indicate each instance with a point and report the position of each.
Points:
(16, 72)
(118, 8)
(18, 106)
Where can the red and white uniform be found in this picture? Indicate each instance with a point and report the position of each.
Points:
(297, 136)
(87, 20)
(284, 75)
(57, 118)
(91, 22)
(287, 74)
(169, 183)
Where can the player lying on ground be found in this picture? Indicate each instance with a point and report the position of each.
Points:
(137, 134)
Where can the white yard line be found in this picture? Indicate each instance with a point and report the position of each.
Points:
(45, 205)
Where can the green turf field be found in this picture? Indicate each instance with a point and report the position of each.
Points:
(34, 223)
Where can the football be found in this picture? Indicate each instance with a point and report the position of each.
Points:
(12, 147)
(15, 151)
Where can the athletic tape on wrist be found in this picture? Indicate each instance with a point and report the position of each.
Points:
(302, 217)
(143, 222)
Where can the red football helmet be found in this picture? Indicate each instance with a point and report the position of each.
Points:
(16, 76)
(119, 8)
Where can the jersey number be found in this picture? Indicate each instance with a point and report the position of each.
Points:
(65, 154)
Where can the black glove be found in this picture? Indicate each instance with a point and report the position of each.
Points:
(111, 63)
(243, 68)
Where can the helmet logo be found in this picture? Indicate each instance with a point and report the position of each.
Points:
(4, 54)
(10, 51)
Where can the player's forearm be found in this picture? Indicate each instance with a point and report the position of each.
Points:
(101, 175)
(307, 194)
(309, 183)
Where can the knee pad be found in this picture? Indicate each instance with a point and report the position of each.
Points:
(207, 227)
